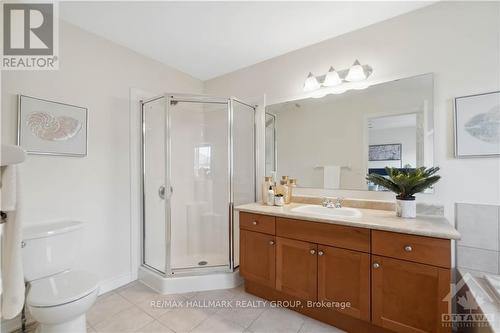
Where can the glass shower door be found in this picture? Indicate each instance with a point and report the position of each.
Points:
(243, 120)
(153, 181)
(199, 177)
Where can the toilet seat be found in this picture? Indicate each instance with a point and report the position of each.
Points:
(61, 288)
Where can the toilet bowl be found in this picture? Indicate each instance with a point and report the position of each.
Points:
(57, 297)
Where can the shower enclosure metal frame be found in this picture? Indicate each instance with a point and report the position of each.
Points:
(169, 99)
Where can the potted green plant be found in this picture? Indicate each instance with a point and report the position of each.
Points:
(406, 183)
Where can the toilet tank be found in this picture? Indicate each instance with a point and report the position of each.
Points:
(50, 248)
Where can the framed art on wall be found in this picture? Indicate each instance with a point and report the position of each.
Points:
(477, 125)
(385, 152)
(51, 128)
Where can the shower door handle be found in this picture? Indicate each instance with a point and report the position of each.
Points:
(161, 192)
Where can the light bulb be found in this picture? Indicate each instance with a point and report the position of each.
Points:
(356, 73)
(332, 78)
(311, 83)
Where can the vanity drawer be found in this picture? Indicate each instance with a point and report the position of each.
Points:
(256, 222)
(426, 250)
(324, 233)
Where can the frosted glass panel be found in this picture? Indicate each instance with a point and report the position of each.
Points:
(154, 178)
(199, 176)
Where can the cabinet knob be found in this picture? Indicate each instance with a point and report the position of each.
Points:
(320, 253)
(254, 222)
(376, 265)
(271, 242)
(312, 251)
(408, 248)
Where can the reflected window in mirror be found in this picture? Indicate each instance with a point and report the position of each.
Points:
(270, 144)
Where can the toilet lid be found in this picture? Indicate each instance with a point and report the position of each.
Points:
(61, 288)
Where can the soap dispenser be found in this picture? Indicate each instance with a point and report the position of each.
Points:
(270, 196)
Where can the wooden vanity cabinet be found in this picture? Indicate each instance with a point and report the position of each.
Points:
(344, 275)
(394, 282)
(410, 280)
(297, 268)
(407, 296)
(258, 257)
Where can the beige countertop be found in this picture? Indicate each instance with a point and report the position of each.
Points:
(432, 226)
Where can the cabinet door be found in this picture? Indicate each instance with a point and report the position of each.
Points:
(408, 297)
(344, 276)
(258, 257)
(296, 268)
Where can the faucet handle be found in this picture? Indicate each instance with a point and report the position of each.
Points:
(338, 202)
(327, 202)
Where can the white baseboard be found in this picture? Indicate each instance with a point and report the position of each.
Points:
(115, 282)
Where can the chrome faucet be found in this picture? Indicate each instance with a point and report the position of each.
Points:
(326, 202)
(338, 202)
(329, 203)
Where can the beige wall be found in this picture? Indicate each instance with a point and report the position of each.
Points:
(457, 41)
(96, 74)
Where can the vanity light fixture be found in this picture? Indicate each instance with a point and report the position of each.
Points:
(311, 83)
(356, 73)
(346, 78)
(332, 78)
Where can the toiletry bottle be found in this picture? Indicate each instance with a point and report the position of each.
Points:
(265, 187)
(292, 183)
(274, 177)
(270, 196)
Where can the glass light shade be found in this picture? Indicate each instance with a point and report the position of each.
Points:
(311, 83)
(332, 78)
(356, 73)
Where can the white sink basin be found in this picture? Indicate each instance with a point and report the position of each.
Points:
(328, 212)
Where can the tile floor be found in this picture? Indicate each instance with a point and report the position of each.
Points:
(129, 309)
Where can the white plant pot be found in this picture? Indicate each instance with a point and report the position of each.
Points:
(406, 208)
(279, 201)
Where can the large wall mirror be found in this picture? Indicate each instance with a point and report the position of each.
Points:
(334, 141)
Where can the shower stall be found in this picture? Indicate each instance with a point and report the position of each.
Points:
(198, 162)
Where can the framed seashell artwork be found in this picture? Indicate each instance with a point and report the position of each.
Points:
(477, 125)
(51, 128)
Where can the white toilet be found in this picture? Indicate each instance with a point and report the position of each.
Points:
(58, 297)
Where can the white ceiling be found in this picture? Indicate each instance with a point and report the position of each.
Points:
(209, 39)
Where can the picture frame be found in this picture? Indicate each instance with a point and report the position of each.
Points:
(385, 152)
(476, 125)
(52, 128)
